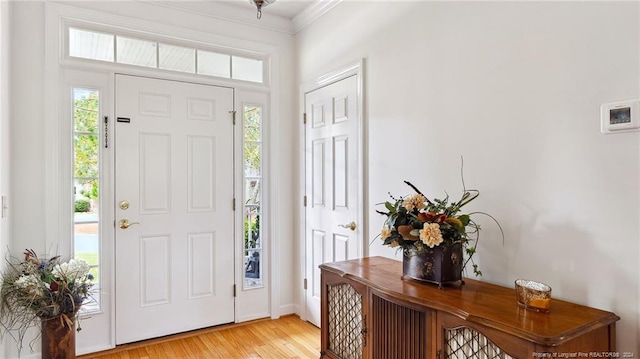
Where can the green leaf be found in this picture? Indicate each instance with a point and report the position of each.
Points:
(464, 219)
(390, 207)
(415, 232)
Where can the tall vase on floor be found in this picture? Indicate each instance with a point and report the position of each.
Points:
(58, 339)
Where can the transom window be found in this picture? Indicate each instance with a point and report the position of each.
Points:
(129, 50)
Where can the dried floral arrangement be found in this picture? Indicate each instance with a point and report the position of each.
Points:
(39, 289)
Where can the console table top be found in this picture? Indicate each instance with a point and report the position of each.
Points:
(476, 302)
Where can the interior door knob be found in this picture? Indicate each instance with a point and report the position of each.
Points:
(124, 223)
(352, 226)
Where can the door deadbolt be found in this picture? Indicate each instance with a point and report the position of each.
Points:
(124, 205)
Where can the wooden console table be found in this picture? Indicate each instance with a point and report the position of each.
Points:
(368, 311)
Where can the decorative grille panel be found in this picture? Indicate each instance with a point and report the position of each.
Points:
(345, 321)
(467, 343)
(398, 332)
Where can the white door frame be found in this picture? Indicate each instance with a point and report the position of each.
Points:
(355, 68)
(57, 17)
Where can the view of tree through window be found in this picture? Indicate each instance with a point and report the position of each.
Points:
(252, 116)
(86, 149)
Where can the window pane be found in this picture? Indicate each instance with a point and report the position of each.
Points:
(90, 45)
(177, 58)
(252, 229)
(252, 191)
(252, 157)
(213, 64)
(85, 113)
(137, 52)
(246, 69)
(252, 268)
(252, 116)
(86, 156)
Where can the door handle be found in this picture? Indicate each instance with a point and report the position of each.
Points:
(124, 223)
(352, 226)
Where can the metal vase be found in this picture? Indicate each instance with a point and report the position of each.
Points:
(441, 265)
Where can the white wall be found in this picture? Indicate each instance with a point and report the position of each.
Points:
(28, 153)
(4, 126)
(515, 88)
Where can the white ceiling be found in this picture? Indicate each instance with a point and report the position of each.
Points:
(284, 8)
(288, 16)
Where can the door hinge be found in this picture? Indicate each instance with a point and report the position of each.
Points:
(305, 284)
(234, 204)
(304, 201)
(233, 116)
(304, 118)
(234, 291)
(5, 206)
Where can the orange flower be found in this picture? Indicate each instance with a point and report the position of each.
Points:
(386, 232)
(431, 235)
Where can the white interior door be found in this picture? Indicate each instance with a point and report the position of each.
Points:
(174, 169)
(332, 182)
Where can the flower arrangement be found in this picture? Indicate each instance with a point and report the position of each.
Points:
(38, 289)
(417, 224)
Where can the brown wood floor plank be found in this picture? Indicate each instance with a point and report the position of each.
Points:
(286, 338)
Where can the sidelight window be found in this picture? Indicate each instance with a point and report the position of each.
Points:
(252, 163)
(86, 180)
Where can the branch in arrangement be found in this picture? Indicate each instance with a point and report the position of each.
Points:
(417, 191)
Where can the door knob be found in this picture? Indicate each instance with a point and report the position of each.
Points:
(352, 226)
(124, 223)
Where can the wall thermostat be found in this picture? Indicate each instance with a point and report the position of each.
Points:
(621, 116)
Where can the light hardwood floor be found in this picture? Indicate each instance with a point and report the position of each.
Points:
(287, 337)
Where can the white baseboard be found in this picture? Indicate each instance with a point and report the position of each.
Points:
(288, 309)
(95, 349)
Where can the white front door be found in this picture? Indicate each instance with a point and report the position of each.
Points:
(332, 182)
(174, 185)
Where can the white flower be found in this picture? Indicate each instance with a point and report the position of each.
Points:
(414, 202)
(72, 270)
(30, 283)
(431, 235)
(386, 232)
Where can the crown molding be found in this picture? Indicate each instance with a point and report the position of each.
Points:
(312, 13)
(232, 13)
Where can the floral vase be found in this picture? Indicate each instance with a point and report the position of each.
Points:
(441, 265)
(58, 340)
